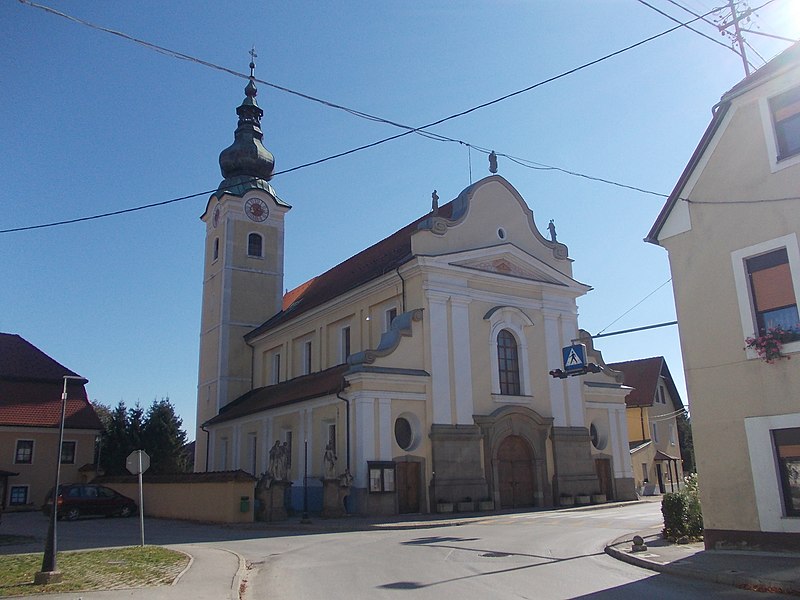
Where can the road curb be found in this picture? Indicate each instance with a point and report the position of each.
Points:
(236, 581)
(733, 579)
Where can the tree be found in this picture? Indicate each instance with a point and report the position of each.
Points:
(115, 442)
(158, 433)
(163, 439)
(685, 441)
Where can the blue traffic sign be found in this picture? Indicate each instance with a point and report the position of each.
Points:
(574, 357)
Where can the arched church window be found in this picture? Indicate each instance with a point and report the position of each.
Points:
(255, 244)
(508, 363)
(216, 248)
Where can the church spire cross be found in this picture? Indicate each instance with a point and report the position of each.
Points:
(253, 57)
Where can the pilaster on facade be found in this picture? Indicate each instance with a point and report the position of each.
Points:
(462, 360)
(574, 400)
(385, 429)
(440, 359)
(365, 441)
(553, 345)
(236, 447)
(618, 429)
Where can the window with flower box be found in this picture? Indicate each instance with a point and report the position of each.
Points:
(767, 278)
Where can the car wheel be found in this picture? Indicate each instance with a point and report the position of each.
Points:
(72, 514)
(126, 511)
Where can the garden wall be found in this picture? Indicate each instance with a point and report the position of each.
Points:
(217, 497)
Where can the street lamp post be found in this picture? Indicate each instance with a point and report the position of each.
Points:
(50, 572)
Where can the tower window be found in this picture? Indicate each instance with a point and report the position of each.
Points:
(255, 245)
(216, 249)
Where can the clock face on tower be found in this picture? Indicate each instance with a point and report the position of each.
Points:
(256, 209)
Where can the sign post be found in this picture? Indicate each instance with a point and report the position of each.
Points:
(137, 463)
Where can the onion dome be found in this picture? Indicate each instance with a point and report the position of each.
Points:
(247, 157)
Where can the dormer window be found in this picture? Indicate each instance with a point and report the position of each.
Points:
(255, 245)
(785, 110)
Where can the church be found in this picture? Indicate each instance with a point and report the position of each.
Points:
(418, 369)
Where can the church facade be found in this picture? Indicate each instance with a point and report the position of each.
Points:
(421, 364)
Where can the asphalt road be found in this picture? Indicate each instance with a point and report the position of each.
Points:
(534, 555)
(541, 555)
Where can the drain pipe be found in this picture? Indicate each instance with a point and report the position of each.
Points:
(403, 284)
(208, 440)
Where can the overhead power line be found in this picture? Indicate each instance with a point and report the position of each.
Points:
(599, 333)
(108, 214)
(698, 32)
(408, 129)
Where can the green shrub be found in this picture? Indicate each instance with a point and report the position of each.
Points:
(682, 515)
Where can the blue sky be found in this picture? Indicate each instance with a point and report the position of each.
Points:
(92, 123)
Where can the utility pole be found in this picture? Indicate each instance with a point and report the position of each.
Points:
(736, 18)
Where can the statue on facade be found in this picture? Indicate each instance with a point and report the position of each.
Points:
(282, 462)
(552, 229)
(345, 479)
(274, 457)
(329, 461)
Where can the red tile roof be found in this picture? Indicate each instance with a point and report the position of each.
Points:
(643, 375)
(31, 384)
(323, 383)
(378, 259)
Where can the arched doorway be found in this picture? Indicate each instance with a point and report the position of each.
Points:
(515, 472)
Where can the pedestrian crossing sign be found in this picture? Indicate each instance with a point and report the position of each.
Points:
(574, 357)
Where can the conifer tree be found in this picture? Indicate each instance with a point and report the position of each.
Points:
(163, 439)
(115, 443)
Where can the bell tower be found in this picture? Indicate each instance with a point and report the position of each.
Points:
(243, 266)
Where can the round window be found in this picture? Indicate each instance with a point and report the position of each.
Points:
(501, 233)
(599, 440)
(403, 433)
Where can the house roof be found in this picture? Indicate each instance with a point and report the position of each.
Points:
(643, 376)
(789, 57)
(305, 387)
(38, 404)
(31, 384)
(19, 359)
(664, 456)
(369, 264)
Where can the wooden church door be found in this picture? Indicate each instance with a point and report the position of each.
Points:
(407, 474)
(515, 473)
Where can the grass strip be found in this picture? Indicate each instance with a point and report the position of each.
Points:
(109, 569)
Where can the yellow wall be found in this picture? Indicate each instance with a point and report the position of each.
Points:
(217, 502)
(39, 476)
